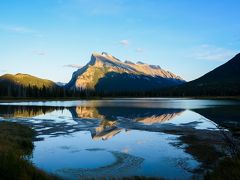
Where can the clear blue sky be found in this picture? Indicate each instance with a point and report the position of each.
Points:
(50, 38)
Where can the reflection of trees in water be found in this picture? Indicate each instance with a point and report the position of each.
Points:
(205, 145)
(102, 122)
(25, 111)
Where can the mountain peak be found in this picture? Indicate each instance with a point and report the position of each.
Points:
(21, 75)
(140, 62)
(103, 64)
(105, 54)
(103, 57)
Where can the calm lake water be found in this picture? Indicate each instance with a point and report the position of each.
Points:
(157, 137)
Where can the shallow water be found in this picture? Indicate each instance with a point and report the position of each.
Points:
(155, 137)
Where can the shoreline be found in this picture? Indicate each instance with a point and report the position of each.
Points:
(5, 100)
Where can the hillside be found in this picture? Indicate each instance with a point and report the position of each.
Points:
(222, 81)
(25, 80)
(25, 86)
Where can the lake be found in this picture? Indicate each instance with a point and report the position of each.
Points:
(153, 137)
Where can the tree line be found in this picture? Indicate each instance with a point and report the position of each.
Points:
(19, 91)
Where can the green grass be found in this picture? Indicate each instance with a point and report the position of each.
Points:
(16, 145)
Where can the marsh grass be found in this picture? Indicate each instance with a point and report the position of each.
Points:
(202, 151)
(16, 145)
(227, 169)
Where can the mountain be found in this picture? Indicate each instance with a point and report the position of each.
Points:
(25, 80)
(224, 80)
(61, 84)
(106, 73)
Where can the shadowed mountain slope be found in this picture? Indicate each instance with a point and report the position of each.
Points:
(224, 80)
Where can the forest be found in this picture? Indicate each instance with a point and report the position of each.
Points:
(21, 92)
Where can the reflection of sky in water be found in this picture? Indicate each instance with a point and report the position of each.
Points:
(58, 116)
(160, 158)
(137, 140)
(193, 119)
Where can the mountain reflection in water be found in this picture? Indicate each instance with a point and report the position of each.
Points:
(102, 122)
(189, 127)
(106, 121)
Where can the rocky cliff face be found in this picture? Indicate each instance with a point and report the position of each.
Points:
(104, 70)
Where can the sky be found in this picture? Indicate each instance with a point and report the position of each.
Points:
(53, 38)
